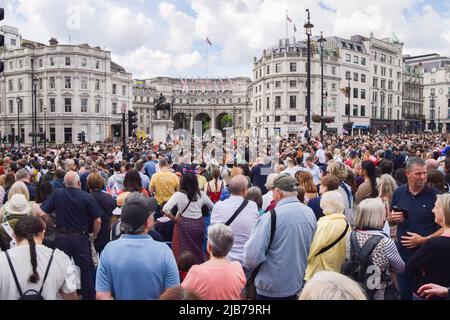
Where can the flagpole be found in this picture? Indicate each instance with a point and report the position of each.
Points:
(206, 75)
(286, 24)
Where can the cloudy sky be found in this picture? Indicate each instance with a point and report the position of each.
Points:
(167, 37)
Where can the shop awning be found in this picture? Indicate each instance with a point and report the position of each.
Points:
(360, 126)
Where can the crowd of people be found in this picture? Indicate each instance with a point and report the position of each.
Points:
(345, 217)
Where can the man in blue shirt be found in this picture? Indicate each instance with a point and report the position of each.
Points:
(150, 166)
(74, 210)
(283, 265)
(418, 226)
(135, 267)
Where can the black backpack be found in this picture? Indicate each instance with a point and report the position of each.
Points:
(29, 294)
(360, 259)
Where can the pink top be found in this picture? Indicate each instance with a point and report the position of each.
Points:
(216, 282)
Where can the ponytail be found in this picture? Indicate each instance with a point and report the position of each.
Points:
(27, 228)
(34, 278)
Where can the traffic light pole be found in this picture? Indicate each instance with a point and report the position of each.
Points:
(124, 144)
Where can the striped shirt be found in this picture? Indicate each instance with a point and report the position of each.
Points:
(385, 256)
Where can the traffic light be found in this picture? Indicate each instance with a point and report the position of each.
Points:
(82, 137)
(2, 40)
(132, 120)
(117, 130)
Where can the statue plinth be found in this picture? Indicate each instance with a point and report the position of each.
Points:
(160, 129)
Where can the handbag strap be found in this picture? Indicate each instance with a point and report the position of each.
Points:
(13, 273)
(189, 203)
(328, 247)
(236, 213)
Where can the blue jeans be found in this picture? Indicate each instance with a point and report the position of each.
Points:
(79, 248)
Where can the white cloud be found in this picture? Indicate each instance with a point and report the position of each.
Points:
(145, 62)
(181, 30)
(102, 23)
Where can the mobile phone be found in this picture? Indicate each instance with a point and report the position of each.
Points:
(403, 210)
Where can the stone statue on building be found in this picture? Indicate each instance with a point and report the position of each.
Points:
(165, 107)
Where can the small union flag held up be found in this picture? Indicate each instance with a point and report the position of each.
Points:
(209, 42)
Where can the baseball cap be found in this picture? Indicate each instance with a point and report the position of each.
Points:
(136, 212)
(285, 182)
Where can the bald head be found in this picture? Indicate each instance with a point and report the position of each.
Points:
(72, 180)
(431, 164)
(238, 185)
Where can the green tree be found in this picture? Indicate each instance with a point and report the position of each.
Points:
(226, 121)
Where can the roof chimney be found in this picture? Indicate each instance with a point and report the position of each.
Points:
(53, 42)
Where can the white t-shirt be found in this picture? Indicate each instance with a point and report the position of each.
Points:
(320, 154)
(62, 273)
(118, 157)
(303, 131)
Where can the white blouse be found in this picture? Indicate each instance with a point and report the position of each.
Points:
(194, 211)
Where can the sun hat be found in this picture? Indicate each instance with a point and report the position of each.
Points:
(18, 205)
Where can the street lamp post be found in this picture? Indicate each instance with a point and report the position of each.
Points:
(234, 137)
(308, 28)
(321, 41)
(432, 116)
(34, 111)
(45, 128)
(274, 117)
(349, 95)
(19, 102)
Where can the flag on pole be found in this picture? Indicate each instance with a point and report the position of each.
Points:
(295, 28)
(209, 42)
(345, 91)
(288, 19)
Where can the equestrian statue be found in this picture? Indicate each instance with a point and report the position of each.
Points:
(162, 105)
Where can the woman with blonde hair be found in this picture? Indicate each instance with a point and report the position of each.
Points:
(431, 262)
(386, 187)
(339, 170)
(17, 206)
(384, 256)
(306, 182)
(327, 251)
(328, 285)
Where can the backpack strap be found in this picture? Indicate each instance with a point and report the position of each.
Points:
(273, 225)
(355, 249)
(236, 213)
(328, 247)
(7, 227)
(369, 246)
(14, 274)
(46, 271)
